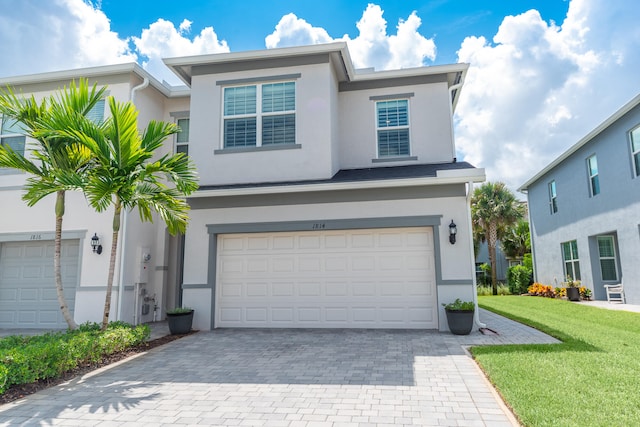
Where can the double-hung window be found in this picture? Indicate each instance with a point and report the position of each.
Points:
(12, 134)
(259, 115)
(392, 126)
(594, 180)
(553, 196)
(570, 259)
(607, 255)
(635, 149)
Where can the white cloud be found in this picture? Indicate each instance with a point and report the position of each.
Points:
(293, 31)
(373, 47)
(163, 40)
(41, 36)
(539, 88)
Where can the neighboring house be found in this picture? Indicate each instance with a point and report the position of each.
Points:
(584, 209)
(325, 201)
(501, 261)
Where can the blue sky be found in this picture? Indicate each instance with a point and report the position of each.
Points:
(245, 24)
(542, 73)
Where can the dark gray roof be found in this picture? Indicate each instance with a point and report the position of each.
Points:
(355, 175)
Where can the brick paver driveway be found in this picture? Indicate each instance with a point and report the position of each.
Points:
(279, 378)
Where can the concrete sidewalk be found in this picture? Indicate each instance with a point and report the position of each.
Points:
(287, 377)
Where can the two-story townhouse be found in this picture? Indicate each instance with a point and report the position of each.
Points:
(328, 194)
(328, 198)
(27, 291)
(584, 209)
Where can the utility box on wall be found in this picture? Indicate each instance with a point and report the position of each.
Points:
(142, 273)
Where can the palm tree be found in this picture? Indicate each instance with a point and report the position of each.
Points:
(516, 241)
(124, 176)
(493, 209)
(57, 164)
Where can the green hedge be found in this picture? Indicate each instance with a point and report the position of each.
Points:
(24, 360)
(518, 279)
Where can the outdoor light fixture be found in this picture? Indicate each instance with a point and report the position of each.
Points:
(453, 230)
(95, 244)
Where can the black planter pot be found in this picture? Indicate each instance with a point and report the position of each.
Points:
(573, 294)
(180, 323)
(460, 321)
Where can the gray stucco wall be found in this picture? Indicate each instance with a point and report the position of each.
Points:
(582, 217)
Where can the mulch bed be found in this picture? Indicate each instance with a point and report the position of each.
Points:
(19, 391)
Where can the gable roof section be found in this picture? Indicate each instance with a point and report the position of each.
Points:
(395, 176)
(575, 147)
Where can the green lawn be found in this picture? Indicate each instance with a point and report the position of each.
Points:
(591, 379)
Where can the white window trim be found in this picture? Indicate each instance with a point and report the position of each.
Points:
(572, 261)
(11, 171)
(593, 175)
(258, 115)
(635, 167)
(406, 97)
(614, 257)
(179, 115)
(553, 197)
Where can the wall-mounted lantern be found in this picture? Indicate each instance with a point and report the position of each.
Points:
(95, 244)
(453, 230)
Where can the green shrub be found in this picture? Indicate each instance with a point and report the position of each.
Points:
(24, 360)
(518, 279)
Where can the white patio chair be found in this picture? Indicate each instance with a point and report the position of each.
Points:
(615, 293)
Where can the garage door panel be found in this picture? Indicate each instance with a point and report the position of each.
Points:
(361, 278)
(28, 295)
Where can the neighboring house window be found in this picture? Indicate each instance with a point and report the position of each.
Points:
(12, 135)
(259, 115)
(182, 137)
(96, 114)
(553, 202)
(570, 258)
(607, 254)
(594, 181)
(392, 126)
(635, 149)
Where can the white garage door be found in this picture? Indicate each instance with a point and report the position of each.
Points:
(378, 278)
(28, 296)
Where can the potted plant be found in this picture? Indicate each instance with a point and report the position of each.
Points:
(573, 289)
(460, 316)
(180, 320)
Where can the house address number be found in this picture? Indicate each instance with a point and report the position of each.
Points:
(318, 226)
(36, 237)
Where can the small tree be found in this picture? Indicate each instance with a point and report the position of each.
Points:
(516, 241)
(493, 209)
(58, 164)
(123, 175)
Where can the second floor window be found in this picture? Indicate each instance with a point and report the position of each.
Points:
(635, 149)
(392, 126)
(182, 137)
(12, 135)
(96, 114)
(570, 259)
(259, 115)
(594, 180)
(553, 202)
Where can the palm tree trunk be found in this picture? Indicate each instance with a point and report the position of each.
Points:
(491, 242)
(57, 269)
(112, 262)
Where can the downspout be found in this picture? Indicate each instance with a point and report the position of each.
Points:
(123, 246)
(455, 86)
(531, 238)
(476, 312)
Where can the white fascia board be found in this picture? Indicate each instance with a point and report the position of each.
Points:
(410, 72)
(359, 185)
(575, 147)
(253, 54)
(95, 72)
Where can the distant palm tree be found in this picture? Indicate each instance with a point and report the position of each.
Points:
(494, 208)
(123, 174)
(56, 164)
(516, 241)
